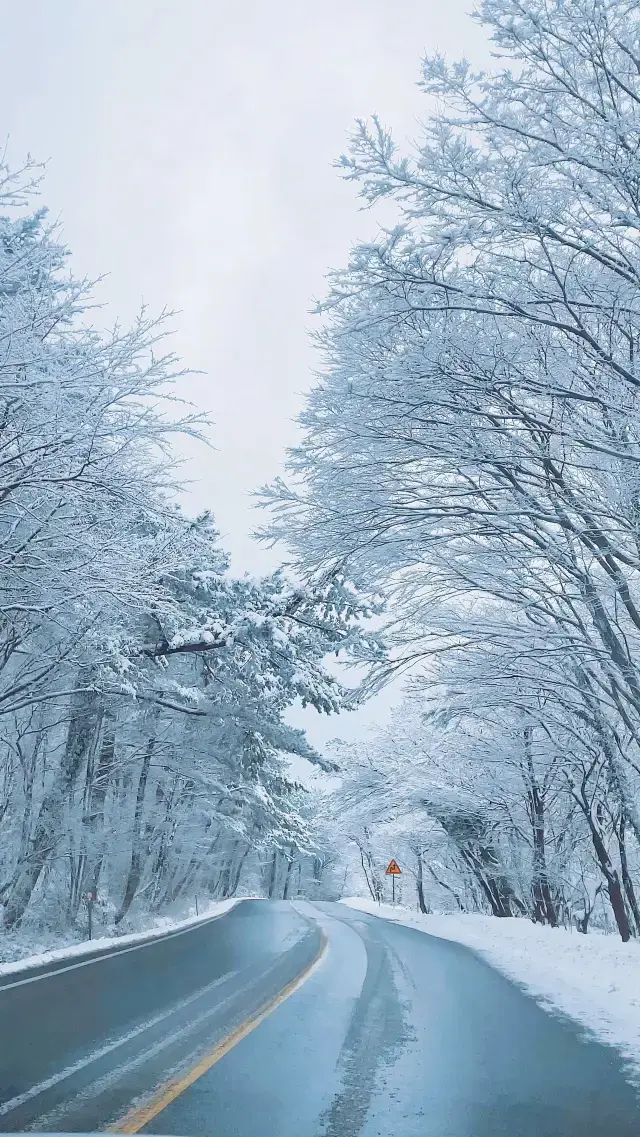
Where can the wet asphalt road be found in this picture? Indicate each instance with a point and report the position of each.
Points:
(394, 1034)
(399, 1034)
(79, 1043)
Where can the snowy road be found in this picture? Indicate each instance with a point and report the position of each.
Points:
(392, 1033)
(79, 1043)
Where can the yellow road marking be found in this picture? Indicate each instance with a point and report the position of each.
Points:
(137, 1118)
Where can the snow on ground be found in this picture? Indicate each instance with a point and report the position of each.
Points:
(16, 946)
(593, 979)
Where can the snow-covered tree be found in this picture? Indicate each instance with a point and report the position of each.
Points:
(471, 449)
(143, 688)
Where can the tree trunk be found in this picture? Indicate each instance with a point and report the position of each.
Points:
(238, 872)
(224, 884)
(544, 905)
(582, 922)
(48, 831)
(368, 867)
(627, 882)
(420, 883)
(483, 863)
(135, 867)
(188, 878)
(446, 887)
(472, 838)
(101, 774)
(317, 871)
(287, 879)
(167, 832)
(273, 875)
(608, 870)
(366, 875)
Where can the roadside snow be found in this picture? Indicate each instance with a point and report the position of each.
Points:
(160, 927)
(592, 979)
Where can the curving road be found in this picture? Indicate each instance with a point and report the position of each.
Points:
(299, 1021)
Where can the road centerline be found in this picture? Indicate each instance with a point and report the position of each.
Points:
(136, 1119)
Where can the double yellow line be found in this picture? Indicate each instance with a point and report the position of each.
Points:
(137, 1118)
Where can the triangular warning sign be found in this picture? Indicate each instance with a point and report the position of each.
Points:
(393, 869)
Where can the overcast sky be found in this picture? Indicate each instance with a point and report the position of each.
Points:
(190, 147)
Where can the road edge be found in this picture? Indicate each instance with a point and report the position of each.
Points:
(32, 972)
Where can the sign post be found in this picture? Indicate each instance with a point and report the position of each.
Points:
(393, 870)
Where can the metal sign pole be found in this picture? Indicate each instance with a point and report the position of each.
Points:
(393, 870)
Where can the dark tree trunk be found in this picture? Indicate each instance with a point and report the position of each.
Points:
(224, 883)
(472, 837)
(163, 881)
(420, 883)
(485, 866)
(94, 816)
(238, 872)
(273, 875)
(627, 881)
(544, 906)
(366, 876)
(608, 870)
(287, 879)
(136, 864)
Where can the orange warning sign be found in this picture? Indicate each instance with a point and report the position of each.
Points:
(393, 869)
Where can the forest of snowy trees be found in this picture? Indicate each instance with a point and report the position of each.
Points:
(468, 474)
(142, 687)
(472, 452)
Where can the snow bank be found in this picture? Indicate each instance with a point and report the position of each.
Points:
(160, 927)
(593, 979)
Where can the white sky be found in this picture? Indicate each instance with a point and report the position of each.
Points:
(190, 147)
